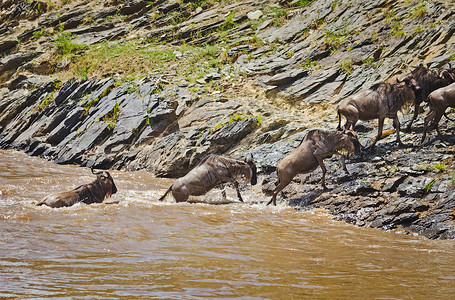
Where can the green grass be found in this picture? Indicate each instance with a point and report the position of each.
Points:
(202, 3)
(308, 63)
(440, 166)
(336, 37)
(346, 65)
(420, 10)
(397, 29)
(135, 58)
(39, 33)
(428, 187)
(63, 41)
(112, 116)
(46, 101)
(368, 61)
(94, 101)
(235, 118)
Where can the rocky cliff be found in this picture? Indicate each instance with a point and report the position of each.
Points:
(157, 85)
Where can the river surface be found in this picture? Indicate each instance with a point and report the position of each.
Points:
(141, 248)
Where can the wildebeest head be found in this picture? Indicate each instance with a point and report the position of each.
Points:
(250, 161)
(412, 83)
(429, 80)
(106, 180)
(448, 75)
(350, 142)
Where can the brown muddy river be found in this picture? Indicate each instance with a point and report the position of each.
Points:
(141, 248)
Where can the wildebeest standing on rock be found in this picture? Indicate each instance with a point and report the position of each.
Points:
(382, 100)
(439, 101)
(310, 153)
(210, 172)
(95, 192)
(428, 80)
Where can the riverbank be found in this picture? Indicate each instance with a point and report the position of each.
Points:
(157, 86)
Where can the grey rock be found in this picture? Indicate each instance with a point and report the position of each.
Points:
(254, 15)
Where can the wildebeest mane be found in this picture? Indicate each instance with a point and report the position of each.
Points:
(93, 192)
(377, 86)
(234, 166)
(395, 96)
(206, 158)
(429, 80)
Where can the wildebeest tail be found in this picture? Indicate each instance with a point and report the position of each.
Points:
(165, 194)
(339, 120)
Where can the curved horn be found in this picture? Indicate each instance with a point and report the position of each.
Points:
(96, 173)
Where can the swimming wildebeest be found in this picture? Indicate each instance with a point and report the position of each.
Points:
(95, 192)
(428, 80)
(439, 101)
(316, 146)
(382, 100)
(210, 172)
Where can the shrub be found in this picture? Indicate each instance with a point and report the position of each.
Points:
(64, 43)
(346, 66)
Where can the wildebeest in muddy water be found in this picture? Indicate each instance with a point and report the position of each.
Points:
(95, 192)
(210, 172)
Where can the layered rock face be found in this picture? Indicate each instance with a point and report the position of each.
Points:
(282, 68)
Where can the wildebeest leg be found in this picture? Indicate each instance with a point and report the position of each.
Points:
(282, 184)
(396, 123)
(343, 163)
(324, 170)
(427, 120)
(234, 182)
(436, 121)
(414, 116)
(380, 127)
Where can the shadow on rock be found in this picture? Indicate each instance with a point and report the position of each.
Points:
(308, 198)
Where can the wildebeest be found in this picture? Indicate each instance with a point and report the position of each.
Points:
(439, 101)
(382, 100)
(428, 80)
(95, 192)
(317, 145)
(210, 172)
